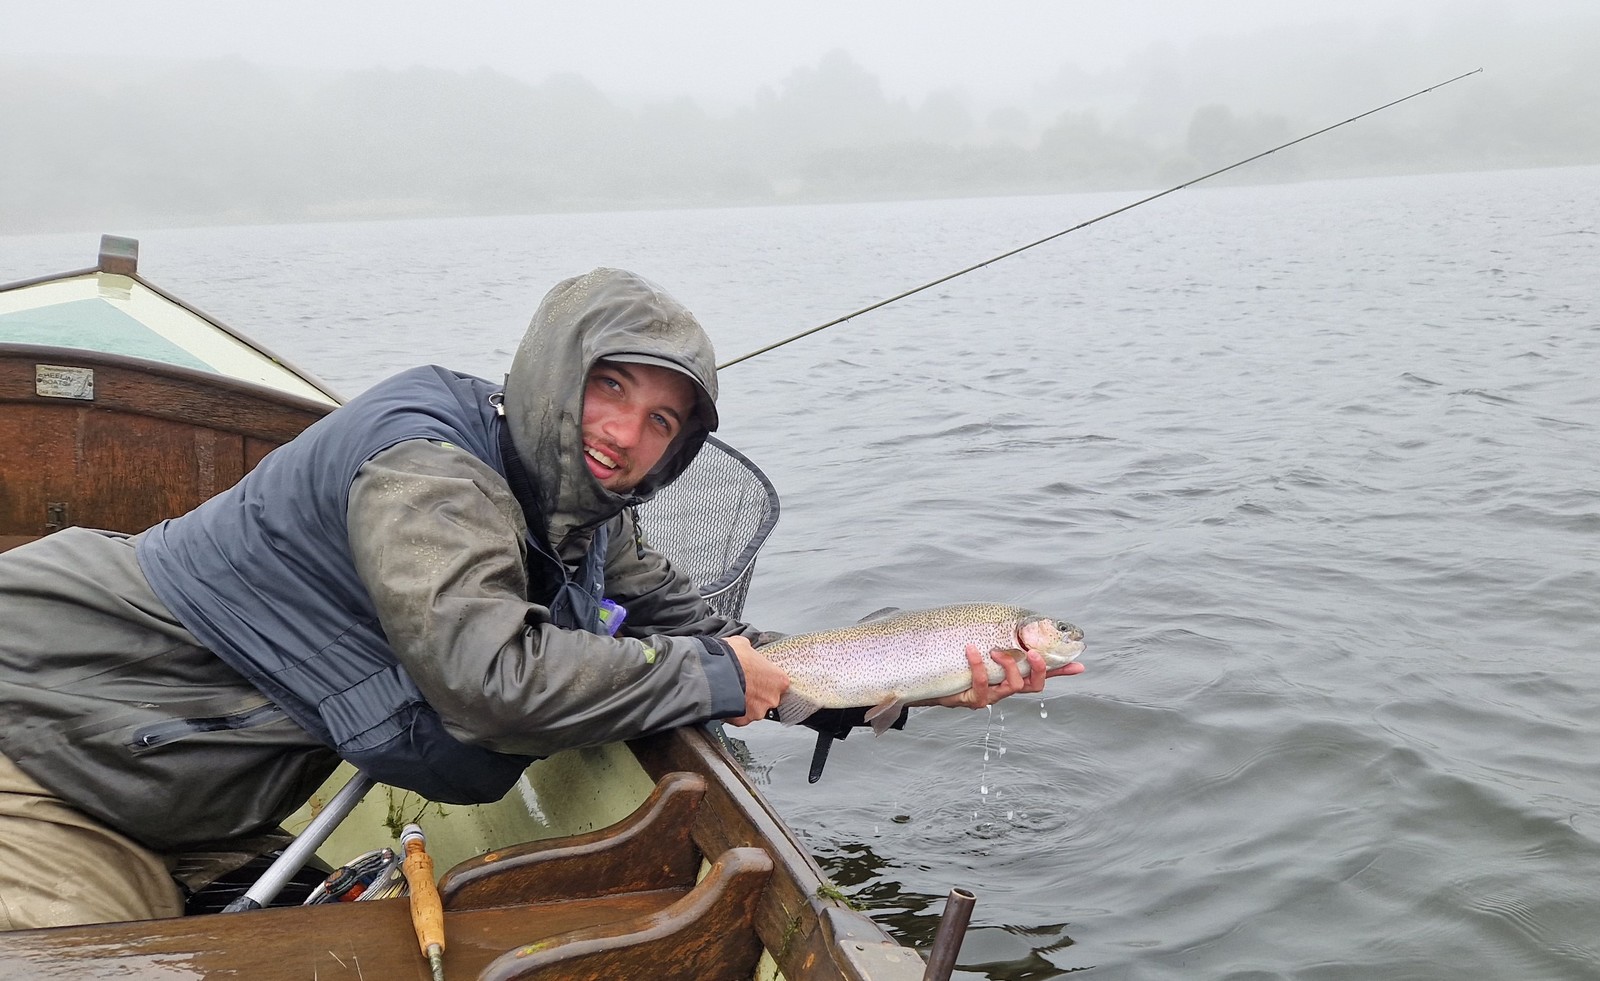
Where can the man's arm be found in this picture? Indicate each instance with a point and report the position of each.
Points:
(438, 540)
(659, 598)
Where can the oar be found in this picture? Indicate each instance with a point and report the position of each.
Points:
(300, 850)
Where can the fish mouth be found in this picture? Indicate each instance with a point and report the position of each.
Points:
(1057, 641)
(1063, 653)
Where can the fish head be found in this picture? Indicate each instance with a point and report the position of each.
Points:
(1058, 641)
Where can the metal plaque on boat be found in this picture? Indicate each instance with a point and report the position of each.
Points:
(57, 381)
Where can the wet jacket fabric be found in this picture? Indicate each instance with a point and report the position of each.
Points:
(296, 621)
(92, 665)
(437, 550)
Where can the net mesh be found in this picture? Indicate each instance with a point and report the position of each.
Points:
(711, 521)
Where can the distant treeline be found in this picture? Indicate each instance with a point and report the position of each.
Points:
(227, 141)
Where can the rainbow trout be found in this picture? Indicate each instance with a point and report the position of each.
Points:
(897, 657)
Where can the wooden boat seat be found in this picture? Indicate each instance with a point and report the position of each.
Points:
(618, 902)
(648, 850)
(708, 935)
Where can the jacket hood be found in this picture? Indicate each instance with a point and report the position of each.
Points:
(603, 314)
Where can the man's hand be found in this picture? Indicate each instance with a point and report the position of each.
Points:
(982, 694)
(764, 682)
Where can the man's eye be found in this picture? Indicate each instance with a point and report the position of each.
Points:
(662, 422)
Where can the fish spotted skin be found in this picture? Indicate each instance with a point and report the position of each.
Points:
(910, 656)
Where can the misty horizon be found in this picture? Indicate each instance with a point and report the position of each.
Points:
(228, 140)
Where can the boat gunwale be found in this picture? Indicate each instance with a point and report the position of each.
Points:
(829, 930)
(224, 386)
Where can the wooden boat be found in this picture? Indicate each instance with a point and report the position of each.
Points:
(121, 405)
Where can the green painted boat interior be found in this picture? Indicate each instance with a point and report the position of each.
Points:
(570, 793)
(122, 316)
(93, 325)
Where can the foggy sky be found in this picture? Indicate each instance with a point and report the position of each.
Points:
(217, 111)
(716, 51)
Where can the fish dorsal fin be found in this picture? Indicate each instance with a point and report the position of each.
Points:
(884, 613)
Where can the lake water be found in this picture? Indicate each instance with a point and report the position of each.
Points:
(1314, 466)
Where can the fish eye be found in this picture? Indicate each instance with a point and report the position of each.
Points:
(1064, 626)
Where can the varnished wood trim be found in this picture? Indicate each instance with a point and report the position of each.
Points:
(705, 936)
(155, 442)
(140, 387)
(650, 849)
(342, 941)
(789, 914)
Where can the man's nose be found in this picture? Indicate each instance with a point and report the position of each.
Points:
(626, 427)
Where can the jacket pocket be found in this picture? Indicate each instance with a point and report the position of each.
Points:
(172, 730)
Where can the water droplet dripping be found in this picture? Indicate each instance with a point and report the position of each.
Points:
(984, 790)
(1042, 713)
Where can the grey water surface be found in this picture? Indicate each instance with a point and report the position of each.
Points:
(1313, 465)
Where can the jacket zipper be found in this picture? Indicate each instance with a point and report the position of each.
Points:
(161, 733)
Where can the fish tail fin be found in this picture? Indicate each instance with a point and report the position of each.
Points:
(884, 714)
(793, 708)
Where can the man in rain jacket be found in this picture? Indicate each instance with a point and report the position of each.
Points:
(414, 584)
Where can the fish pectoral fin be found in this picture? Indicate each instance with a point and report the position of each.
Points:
(793, 708)
(879, 614)
(884, 714)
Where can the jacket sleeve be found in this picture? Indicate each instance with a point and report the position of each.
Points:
(438, 541)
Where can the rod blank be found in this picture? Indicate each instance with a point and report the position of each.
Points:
(1085, 224)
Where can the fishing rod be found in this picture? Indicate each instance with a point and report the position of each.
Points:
(1085, 224)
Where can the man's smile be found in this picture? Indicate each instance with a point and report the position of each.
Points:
(601, 463)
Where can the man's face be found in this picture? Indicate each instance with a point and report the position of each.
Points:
(631, 413)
